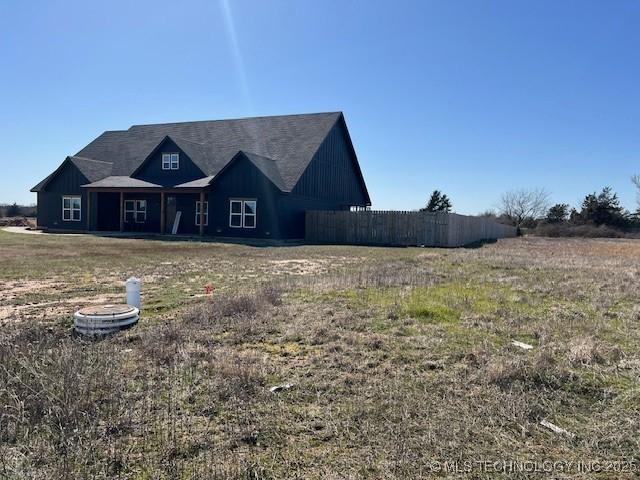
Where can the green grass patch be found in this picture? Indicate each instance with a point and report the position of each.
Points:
(441, 303)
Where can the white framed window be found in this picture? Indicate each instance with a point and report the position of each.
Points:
(235, 213)
(170, 161)
(71, 209)
(242, 213)
(206, 213)
(135, 211)
(249, 214)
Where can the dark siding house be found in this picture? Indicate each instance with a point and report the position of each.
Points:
(245, 178)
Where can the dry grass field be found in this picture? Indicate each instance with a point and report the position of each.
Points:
(400, 361)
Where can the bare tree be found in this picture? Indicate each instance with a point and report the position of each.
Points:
(522, 206)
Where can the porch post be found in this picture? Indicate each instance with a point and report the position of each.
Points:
(202, 212)
(162, 214)
(88, 209)
(122, 211)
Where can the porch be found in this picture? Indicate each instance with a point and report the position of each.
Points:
(148, 211)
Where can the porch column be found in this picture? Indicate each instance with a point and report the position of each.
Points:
(88, 209)
(162, 214)
(202, 213)
(122, 211)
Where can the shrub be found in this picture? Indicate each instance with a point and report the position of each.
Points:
(237, 305)
(241, 305)
(244, 317)
(571, 230)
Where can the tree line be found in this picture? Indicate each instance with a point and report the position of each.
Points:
(15, 210)
(532, 208)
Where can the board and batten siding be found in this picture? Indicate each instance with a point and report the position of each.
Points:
(333, 173)
(67, 182)
(243, 180)
(401, 228)
(151, 170)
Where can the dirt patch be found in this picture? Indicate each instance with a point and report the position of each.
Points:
(47, 311)
(12, 290)
(298, 267)
(304, 266)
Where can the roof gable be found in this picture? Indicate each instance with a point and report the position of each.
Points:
(91, 169)
(356, 164)
(192, 150)
(267, 166)
(334, 172)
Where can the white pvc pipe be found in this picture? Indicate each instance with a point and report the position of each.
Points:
(133, 291)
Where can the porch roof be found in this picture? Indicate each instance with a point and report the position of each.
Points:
(118, 181)
(198, 183)
(121, 181)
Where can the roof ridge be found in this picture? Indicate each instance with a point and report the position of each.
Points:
(232, 119)
(90, 159)
(249, 152)
(182, 139)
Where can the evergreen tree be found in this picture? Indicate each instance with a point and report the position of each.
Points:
(438, 202)
(602, 209)
(558, 213)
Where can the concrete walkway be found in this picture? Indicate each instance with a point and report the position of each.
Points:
(26, 230)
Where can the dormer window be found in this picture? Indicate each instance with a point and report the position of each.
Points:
(170, 161)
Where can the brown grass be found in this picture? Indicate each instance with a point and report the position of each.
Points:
(398, 360)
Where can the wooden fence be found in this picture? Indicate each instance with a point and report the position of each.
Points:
(401, 228)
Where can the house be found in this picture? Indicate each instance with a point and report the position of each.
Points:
(249, 177)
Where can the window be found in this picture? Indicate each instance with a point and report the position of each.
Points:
(235, 214)
(242, 213)
(249, 217)
(170, 161)
(206, 213)
(71, 209)
(135, 211)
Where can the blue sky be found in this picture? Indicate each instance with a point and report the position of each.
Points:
(470, 97)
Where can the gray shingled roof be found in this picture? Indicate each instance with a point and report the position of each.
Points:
(281, 146)
(92, 169)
